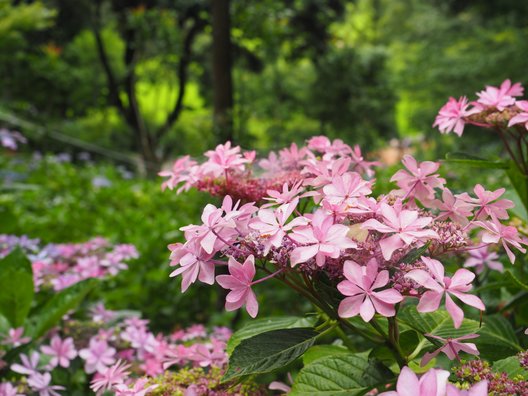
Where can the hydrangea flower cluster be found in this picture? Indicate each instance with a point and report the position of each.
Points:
(327, 222)
(116, 349)
(58, 266)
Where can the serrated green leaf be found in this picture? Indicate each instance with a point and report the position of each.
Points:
(57, 306)
(497, 339)
(320, 351)
(515, 280)
(341, 375)
(510, 366)
(259, 326)
(268, 351)
(519, 181)
(16, 287)
(437, 323)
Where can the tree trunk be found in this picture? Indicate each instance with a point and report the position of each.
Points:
(222, 79)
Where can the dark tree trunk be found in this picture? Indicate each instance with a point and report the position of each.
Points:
(222, 79)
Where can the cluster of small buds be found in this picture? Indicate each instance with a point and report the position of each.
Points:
(499, 384)
(59, 266)
(117, 350)
(523, 359)
(377, 250)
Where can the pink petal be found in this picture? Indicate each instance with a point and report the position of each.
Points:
(408, 383)
(469, 299)
(456, 313)
(367, 310)
(430, 301)
(350, 306)
(303, 254)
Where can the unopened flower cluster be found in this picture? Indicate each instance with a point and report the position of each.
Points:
(117, 350)
(324, 220)
(58, 266)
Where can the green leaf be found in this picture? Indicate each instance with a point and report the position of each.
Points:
(415, 254)
(519, 181)
(437, 323)
(341, 375)
(320, 351)
(497, 339)
(474, 161)
(259, 326)
(269, 351)
(515, 280)
(57, 306)
(16, 287)
(409, 340)
(510, 366)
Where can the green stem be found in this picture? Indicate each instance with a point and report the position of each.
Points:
(390, 342)
(347, 341)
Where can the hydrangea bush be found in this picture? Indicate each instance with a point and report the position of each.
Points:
(400, 282)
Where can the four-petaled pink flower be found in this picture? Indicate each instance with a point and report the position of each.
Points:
(432, 383)
(406, 227)
(451, 116)
(451, 347)
(501, 97)
(239, 280)
(481, 258)
(487, 203)
(98, 356)
(420, 179)
(495, 231)
(359, 287)
(522, 117)
(321, 239)
(272, 226)
(61, 351)
(346, 189)
(439, 284)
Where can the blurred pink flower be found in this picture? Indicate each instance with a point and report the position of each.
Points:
(61, 351)
(194, 264)
(239, 281)
(478, 389)
(439, 284)
(41, 383)
(29, 364)
(360, 285)
(451, 347)
(98, 356)
(346, 189)
(14, 337)
(223, 158)
(452, 207)
(501, 97)
(522, 117)
(138, 389)
(7, 389)
(113, 375)
(451, 116)
(481, 258)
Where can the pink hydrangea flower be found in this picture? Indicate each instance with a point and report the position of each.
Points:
(481, 258)
(522, 117)
(432, 383)
(495, 231)
(420, 179)
(453, 208)
(138, 388)
(451, 116)
(405, 226)
(359, 287)
(239, 281)
(273, 225)
(61, 351)
(14, 337)
(501, 97)
(479, 389)
(194, 264)
(98, 356)
(346, 189)
(451, 347)
(179, 173)
(7, 389)
(287, 195)
(29, 364)
(321, 239)
(488, 202)
(111, 376)
(290, 157)
(440, 285)
(41, 383)
(223, 158)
